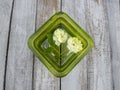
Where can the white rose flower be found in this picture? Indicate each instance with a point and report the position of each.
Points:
(74, 44)
(59, 36)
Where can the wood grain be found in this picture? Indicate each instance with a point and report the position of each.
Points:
(20, 70)
(99, 60)
(43, 79)
(95, 72)
(113, 9)
(77, 79)
(20, 59)
(5, 17)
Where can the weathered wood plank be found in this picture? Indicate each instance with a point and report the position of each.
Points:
(113, 7)
(99, 60)
(77, 79)
(20, 59)
(43, 79)
(5, 14)
(95, 73)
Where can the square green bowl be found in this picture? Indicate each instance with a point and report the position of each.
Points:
(57, 58)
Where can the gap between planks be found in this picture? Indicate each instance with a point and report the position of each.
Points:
(8, 45)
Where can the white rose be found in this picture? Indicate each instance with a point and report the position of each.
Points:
(74, 44)
(59, 36)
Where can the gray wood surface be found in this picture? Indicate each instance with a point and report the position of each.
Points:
(21, 70)
(99, 61)
(113, 10)
(77, 79)
(94, 73)
(43, 79)
(5, 19)
(20, 59)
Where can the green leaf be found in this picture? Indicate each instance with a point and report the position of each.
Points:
(49, 50)
(50, 39)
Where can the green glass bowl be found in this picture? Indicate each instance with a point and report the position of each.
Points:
(58, 58)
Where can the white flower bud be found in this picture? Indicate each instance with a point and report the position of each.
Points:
(74, 44)
(59, 36)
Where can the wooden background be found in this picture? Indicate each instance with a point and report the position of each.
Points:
(21, 70)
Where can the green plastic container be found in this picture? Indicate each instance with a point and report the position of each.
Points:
(56, 51)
